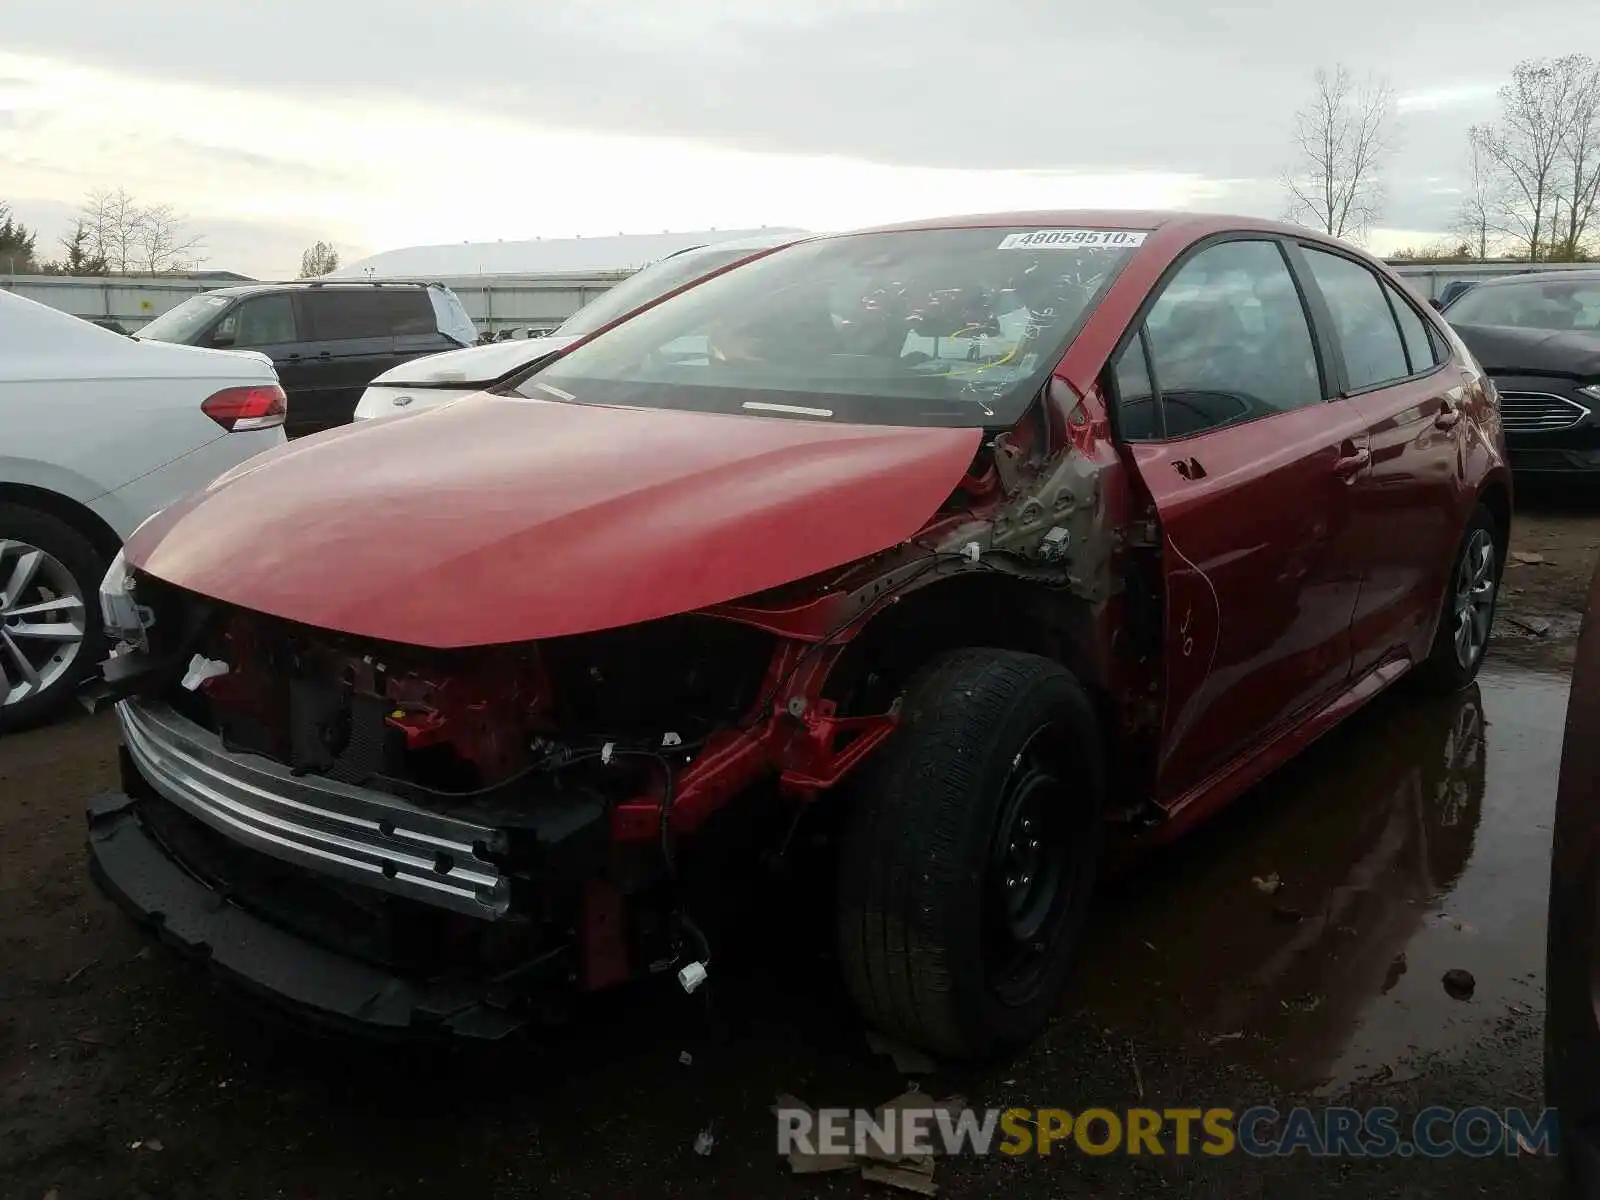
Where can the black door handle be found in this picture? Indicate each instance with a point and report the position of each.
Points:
(326, 354)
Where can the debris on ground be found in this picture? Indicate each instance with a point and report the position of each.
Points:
(1459, 984)
(810, 1164)
(703, 1141)
(908, 1172)
(1528, 558)
(1268, 885)
(908, 1060)
(1225, 1037)
(1393, 1074)
(1290, 915)
(1537, 626)
(909, 1179)
(73, 978)
(154, 1145)
(1397, 968)
(686, 1058)
(1133, 1061)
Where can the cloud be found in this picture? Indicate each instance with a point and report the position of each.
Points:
(1452, 96)
(410, 120)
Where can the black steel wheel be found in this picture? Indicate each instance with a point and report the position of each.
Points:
(969, 856)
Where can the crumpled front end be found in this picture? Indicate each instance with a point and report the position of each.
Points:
(470, 837)
(464, 840)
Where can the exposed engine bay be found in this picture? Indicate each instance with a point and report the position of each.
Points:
(449, 725)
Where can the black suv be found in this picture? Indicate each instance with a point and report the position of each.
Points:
(327, 340)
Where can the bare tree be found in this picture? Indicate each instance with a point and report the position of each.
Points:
(1581, 157)
(1342, 138)
(162, 243)
(1546, 152)
(1481, 216)
(128, 236)
(319, 260)
(112, 218)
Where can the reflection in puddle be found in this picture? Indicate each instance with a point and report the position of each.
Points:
(1412, 842)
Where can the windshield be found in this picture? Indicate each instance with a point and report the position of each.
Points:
(920, 327)
(650, 284)
(1564, 304)
(184, 322)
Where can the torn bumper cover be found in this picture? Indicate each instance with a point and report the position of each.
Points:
(337, 903)
(136, 872)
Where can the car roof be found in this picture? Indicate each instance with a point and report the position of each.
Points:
(740, 245)
(1535, 275)
(1195, 223)
(255, 289)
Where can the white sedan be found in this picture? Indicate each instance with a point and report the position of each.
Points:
(100, 432)
(437, 379)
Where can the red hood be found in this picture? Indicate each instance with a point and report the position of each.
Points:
(495, 520)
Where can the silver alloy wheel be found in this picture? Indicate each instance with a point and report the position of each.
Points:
(1474, 598)
(41, 621)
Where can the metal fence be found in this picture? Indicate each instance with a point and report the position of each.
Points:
(504, 303)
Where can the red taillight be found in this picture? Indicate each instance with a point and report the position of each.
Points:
(244, 408)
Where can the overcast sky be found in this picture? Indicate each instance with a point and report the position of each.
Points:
(384, 123)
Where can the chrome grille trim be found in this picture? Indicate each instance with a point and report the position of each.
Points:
(1539, 412)
(354, 833)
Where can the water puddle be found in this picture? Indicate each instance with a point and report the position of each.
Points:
(1307, 931)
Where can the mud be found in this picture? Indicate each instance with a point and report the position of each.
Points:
(1554, 542)
(1412, 842)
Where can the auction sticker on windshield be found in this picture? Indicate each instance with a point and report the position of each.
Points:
(1074, 239)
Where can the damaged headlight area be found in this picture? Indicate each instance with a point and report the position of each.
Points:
(125, 619)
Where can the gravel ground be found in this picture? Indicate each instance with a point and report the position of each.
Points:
(1412, 842)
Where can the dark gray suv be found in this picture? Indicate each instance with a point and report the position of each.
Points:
(327, 340)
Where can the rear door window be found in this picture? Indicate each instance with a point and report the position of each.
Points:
(408, 312)
(1419, 347)
(262, 321)
(1373, 351)
(1229, 341)
(339, 315)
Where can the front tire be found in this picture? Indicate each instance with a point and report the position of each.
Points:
(1467, 616)
(970, 855)
(51, 637)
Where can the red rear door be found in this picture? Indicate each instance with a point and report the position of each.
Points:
(1407, 507)
(1225, 411)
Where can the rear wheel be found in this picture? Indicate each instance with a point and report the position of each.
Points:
(969, 856)
(50, 633)
(1462, 638)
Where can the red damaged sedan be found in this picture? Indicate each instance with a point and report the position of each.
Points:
(966, 545)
